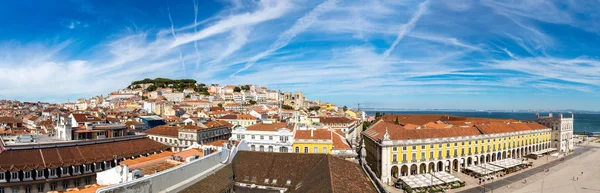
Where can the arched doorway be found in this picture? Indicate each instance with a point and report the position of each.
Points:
(513, 154)
(431, 167)
(481, 159)
(440, 166)
(518, 153)
(469, 161)
(404, 170)
(413, 169)
(422, 168)
(395, 171)
(455, 165)
(487, 158)
(463, 163)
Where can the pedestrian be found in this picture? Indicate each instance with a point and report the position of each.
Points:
(577, 178)
(581, 173)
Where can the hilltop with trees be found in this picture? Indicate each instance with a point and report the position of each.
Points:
(178, 85)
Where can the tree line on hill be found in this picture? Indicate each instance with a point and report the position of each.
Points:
(178, 85)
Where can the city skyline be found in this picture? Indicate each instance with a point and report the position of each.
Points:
(417, 54)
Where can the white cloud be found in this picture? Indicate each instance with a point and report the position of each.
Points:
(287, 36)
(404, 29)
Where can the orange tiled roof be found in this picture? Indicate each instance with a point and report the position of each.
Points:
(164, 130)
(269, 127)
(319, 134)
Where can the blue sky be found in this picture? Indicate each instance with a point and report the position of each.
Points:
(463, 54)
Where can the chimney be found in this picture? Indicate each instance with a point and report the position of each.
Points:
(312, 132)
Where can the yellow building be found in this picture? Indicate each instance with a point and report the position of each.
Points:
(132, 105)
(350, 113)
(313, 141)
(429, 143)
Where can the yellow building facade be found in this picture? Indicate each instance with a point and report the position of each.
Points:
(394, 151)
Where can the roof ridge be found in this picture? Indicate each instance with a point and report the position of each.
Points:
(43, 160)
(330, 175)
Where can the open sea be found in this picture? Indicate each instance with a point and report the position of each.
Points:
(584, 122)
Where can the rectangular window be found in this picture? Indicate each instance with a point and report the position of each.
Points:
(15, 189)
(77, 182)
(422, 155)
(65, 170)
(76, 169)
(414, 147)
(88, 180)
(394, 158)
(297, 149)
(414, 156)
(315, 150)
(403, 157)
(40, 187)
(2, 176)
(305, 149)
(27, 174)
(394, 148)
(262, 137)
(27, 188)
(270, 137)
(325, 150)
(404, 148)
(252, 136)
(430, 154)
(65, 184)
(14, 175)
(52, 186)
(53, 172)
(40, 173)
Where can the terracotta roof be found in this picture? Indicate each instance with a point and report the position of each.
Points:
(319, 134)
(306, 172)
(335, 120)
(339, 142)
(228, 117)
(447, 126)
(164, 130)
(269, 126)
(246, 117)
(218, 182)
(217, 123)
(28, 159)
(80, 118)
(397, 132)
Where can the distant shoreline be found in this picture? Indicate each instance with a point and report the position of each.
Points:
(478, 111)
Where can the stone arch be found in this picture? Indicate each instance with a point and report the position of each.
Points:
(488, 158)
(404, 170)
(481, 159)
(513, 154)
(455, 164)
(469, 161)
(413, 169)
(440, 166)
(431, 167)
(422, 168)
(395, 171)
(463, 162)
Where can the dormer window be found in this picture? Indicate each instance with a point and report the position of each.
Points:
(2, 177)
(97, 166)
(53, 172)
(75, 169)
(87, 168)
(39, 174)
(274, 181)
(65, 171)
(26, 175)
(14, 176)
(288, 182)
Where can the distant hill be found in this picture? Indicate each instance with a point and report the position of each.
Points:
(177, 84)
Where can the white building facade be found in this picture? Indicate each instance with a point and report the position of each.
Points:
(268, 137)
(562, 130)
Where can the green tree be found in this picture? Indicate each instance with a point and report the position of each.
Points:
(377, 114)
(366, 125)
(396, 122)
(314, 108)
(345, 108)
(252, 102)
(288, 107)
(220, 104)
(151, 88)
(237, 89)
